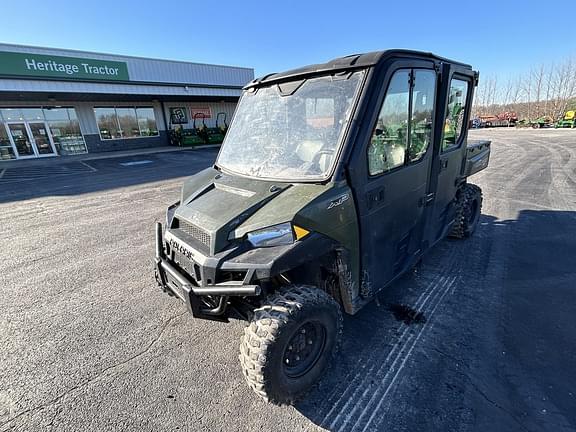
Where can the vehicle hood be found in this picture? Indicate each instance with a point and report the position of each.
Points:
(223, 205)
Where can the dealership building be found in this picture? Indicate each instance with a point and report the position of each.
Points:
(56, 102)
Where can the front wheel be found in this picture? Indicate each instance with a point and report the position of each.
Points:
(290, 342)
(468, 209)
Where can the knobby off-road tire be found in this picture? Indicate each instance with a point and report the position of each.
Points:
(468, 208)
(290, 342)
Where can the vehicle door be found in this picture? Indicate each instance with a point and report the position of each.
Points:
(390, 172)
(450, 154)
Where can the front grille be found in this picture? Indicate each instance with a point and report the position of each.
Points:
(187, 265)
(194, 232)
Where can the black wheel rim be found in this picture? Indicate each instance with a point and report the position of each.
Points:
(304, 349)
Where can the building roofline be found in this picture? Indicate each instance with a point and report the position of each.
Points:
(124, 56)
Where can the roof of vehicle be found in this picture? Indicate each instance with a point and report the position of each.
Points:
(354, 61)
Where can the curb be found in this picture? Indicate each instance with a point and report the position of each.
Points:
(57, 160)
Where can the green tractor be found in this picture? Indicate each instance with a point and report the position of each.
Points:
(569, 120)
(217, 133)
(539, 123)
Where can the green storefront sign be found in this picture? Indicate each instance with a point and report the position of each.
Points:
(69, 68)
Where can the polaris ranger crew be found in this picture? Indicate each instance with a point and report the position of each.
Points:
(333, 180)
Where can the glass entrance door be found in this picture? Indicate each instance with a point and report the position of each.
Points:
(31, 139)
(41, 138)
(21, 139)
(6, 149)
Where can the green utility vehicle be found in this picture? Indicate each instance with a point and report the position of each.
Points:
(198, 135)
(217, 133)
(333, 180)
(569, 120)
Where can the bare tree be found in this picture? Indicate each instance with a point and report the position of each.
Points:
(544, 90)
(507, 94)
(526, 91)
(564, 85)
(537, 79)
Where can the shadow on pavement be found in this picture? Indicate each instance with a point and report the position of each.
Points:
(23, 183)
(428, 356)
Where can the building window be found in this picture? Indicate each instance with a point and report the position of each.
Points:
(107, 123)
(65, 129)
(61, 123)
(22, 114)
(125, 122)
(6, 150)
(128, 122)
(147, 121)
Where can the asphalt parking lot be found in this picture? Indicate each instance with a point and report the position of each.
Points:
(88, 342)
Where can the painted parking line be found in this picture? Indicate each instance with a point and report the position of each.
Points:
(89, 166)
(10, 175)
(140, 162)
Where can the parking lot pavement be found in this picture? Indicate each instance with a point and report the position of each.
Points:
(480, 337)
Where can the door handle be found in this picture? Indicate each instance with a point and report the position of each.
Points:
(375, 197)
(443, 164)
(426, 200)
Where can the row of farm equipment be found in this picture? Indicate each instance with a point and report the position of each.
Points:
(200, 134)
(510, 119)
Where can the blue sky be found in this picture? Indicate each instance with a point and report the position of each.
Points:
(495, 37)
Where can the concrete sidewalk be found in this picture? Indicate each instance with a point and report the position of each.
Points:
(57, 160)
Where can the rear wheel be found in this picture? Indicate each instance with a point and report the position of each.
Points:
(290, 342)
(468, 209)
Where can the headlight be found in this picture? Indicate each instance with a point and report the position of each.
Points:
(272, 236)
(277, 235)
(170, 213)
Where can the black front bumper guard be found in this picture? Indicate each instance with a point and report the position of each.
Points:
(172, 280)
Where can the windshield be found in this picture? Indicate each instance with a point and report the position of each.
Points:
(290, 131)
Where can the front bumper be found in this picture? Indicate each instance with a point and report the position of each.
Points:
(206, 299)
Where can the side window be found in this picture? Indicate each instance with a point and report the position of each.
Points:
(453, 125)
(423, 94)
(387, 149)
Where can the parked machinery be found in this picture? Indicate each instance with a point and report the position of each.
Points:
(362, 165)
(198, 135)
(540, 122)
(216, 134)
(505, 119)
(569, 120)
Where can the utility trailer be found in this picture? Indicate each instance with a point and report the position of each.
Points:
(506, 119)
(333, 180)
